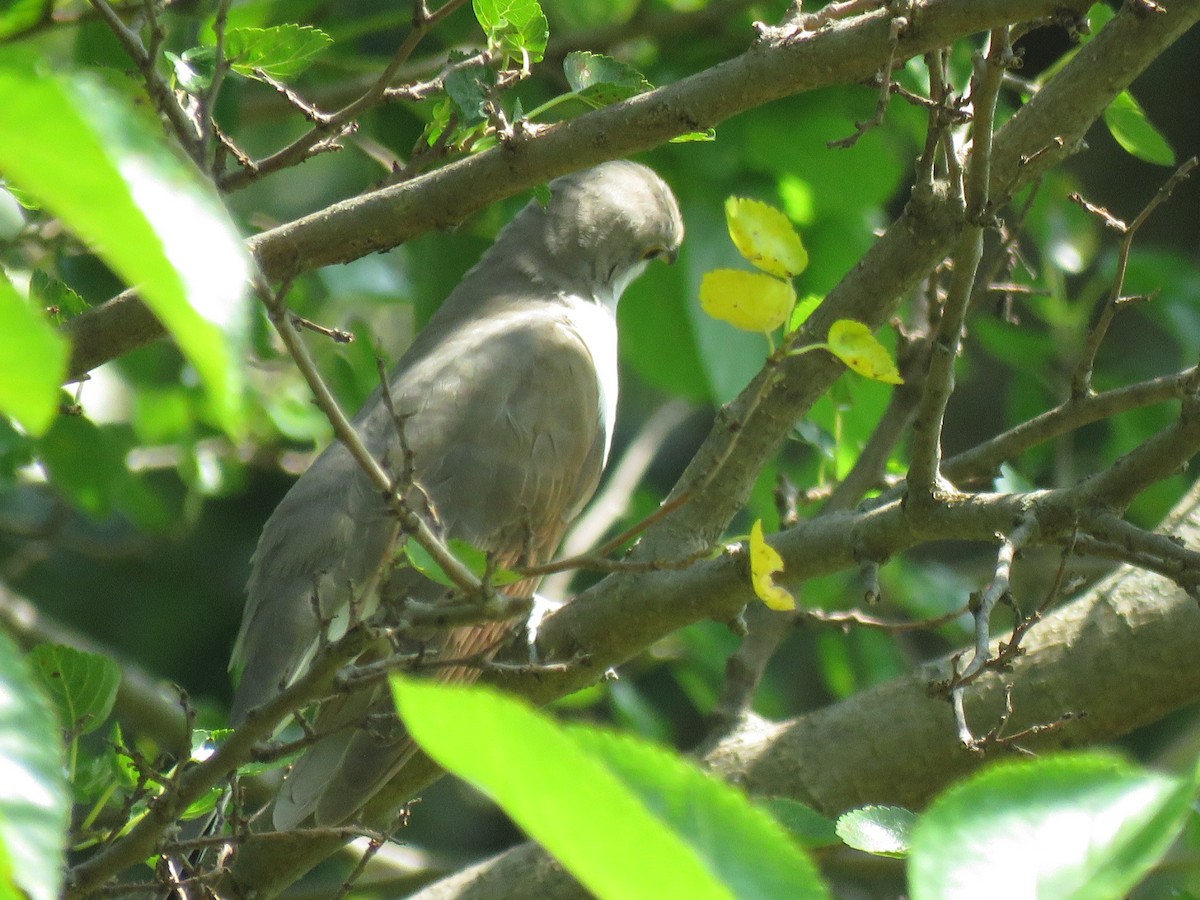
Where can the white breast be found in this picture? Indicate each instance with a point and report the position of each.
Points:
(597, 326)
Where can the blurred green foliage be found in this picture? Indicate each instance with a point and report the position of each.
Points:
(134, 520)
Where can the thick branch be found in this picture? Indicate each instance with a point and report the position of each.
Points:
(843, 53)
(1121, 656)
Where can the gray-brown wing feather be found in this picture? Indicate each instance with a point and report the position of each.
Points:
(508, 444)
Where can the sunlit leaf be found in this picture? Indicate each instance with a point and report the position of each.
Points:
(803, 309)
(280, 52)
(601, 80)
(747, 300)
(624, 817)
(1085, 826)
(765, 237)
(706, 136)
(34, 796)
(145, 213)
(33, 362)
(765, 564)
(470, 556)
(853, 343)
(1133, 130)
(882, 830)
(518, 27)
(82, 685)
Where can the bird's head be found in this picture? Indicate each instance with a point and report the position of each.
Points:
(603, 225)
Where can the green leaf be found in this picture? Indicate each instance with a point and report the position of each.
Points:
(17, 16)
(470, 88)
(708, 135)
(52, 292)
(623, 818)
(747, 849)
(194, 69)
(601, 80)
(807, 827)
(882, 830)
(33, 363)
(82, 685)
(16, 449)
(281, 52)
(146, 214)
(518, 27)
(85, 463)
(34, 795)
(470, 556)
(1132, 129)
(1082, 826)
(804, 308)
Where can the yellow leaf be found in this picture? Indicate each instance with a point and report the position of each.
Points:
(765, 563)
(746, 300)
(765, 237)
(853, 343)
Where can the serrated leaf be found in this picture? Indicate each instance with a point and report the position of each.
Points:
(747, 300)
(143, 211)
(882, 830)
(281, 52)
(601, 80)
(765, 564)
(82, 685)
(1083, 826)
(52, 292)
(469, 88)
(745, 847)
(765, 237)
(1133, 130)
(853, 343)
(33, 363)
(518, 27)
(34, 796)
(605, 808)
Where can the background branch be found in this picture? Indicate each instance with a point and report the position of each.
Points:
(846, 52)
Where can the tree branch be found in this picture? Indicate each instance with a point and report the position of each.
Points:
(843, 53)
(1122, 655)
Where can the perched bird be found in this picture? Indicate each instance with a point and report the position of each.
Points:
(506, 401)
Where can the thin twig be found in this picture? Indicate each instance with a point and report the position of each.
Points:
(1081, 382)
(884, 79)
(333, 123)
(162, 95)
(925, 477)
(411, 523)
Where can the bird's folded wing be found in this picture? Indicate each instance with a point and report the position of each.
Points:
(507, 440)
